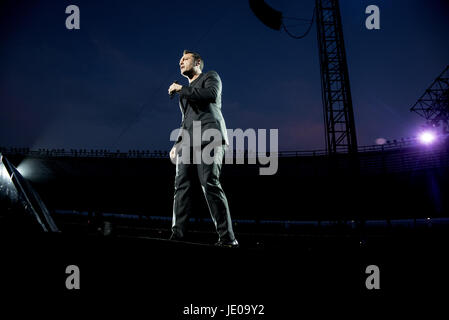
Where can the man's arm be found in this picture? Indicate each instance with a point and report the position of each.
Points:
(212, 88)
(181, 107)
(177, 145)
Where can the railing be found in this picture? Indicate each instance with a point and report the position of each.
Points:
(106, 153)
(84, 153)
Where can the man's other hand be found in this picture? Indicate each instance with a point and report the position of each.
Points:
(173, 153)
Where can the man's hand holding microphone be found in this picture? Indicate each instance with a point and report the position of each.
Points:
(174, 87)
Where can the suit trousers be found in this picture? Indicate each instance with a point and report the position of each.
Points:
(209, 178)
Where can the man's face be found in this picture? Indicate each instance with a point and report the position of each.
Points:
(186, 64)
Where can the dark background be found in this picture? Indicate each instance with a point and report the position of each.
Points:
(105, 86)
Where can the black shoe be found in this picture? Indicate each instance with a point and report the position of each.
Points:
(227, 244)
(175, 237)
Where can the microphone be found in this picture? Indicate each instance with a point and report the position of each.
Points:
(173, 93)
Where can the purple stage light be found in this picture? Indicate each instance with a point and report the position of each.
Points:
(427, 137)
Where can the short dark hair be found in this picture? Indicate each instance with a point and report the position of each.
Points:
(196, 56)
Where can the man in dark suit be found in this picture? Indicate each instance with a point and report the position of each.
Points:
(200, 104)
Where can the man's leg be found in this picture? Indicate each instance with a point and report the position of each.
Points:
(182, 202)
(209, 176)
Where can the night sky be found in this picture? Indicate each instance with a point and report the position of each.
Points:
(105, 86)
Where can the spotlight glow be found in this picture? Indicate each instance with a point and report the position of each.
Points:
(25, 168)
(427, 137)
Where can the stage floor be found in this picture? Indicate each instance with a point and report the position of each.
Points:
(170, 275)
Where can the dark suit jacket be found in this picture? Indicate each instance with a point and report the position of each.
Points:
(201, 101)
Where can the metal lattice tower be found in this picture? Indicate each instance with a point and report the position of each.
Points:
(433, 105)
(336, 92)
